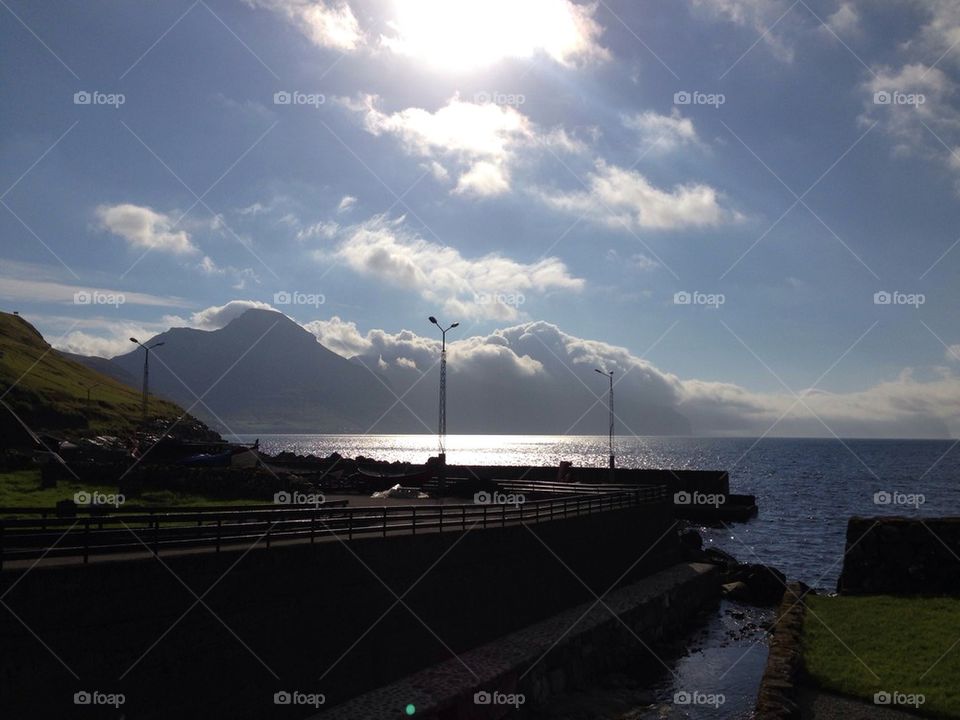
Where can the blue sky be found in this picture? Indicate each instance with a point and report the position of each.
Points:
(501, 163)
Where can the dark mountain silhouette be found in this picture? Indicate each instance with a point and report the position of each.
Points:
(261, 372)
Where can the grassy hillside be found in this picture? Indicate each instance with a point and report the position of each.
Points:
(49, 391)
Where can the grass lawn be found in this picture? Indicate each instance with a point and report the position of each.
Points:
(22, 489)
(907, 643)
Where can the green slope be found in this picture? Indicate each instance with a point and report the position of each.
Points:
(49, 392)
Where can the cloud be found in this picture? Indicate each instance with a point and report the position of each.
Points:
(144, 228)
(469, 34)
(28, 282)
(491, 286)
(536, 377)
(914, 105)
(216, 316)
(325, 230)
(625, 199)
(346, 203)
(480, 141)
(241, 276)
(953, 353)
(662, 133)
(326, 24)
(760, 15)
(845, 21)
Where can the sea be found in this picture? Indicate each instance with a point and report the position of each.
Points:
(806, 489)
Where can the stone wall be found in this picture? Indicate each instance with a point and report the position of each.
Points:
(300, 613)
(901, 556)
(777, 697)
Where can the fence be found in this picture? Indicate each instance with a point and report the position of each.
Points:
(213, 529)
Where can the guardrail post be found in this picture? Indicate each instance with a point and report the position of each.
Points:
(463, 517)
(384, 520)
(413, 520)
(484, 517)
(269, 528)
(86, 541)
(520, 508)
(350, 525)
(219, 530)
(313, 520)
(441, 519)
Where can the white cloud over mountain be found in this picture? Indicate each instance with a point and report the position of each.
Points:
(144, 228)
(490, 286)
(624, 199)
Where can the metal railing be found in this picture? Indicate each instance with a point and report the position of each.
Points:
(152, 531)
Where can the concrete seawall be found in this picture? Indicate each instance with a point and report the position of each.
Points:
(550, 657)
(359, 615)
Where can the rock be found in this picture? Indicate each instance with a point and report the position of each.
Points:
(691, 539)
(736, 591)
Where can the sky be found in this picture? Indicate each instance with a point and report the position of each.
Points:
(753, 202)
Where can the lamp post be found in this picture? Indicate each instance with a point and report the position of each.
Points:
(146, 372)
(442, 424)
(609, 376)
(88, 389)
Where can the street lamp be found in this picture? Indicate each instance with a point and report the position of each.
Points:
(442, 429)
(146, 372)
(609, 376)
(88, 389)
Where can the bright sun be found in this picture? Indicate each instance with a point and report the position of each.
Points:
(462, 35)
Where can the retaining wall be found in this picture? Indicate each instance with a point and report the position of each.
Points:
(281, 619)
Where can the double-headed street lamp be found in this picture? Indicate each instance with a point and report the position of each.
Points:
(609, 376)
(88, 389)
(146, 372)
(442, 429)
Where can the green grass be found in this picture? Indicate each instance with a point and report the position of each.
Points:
(862, 645)
(22, 489)
(49, 392)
